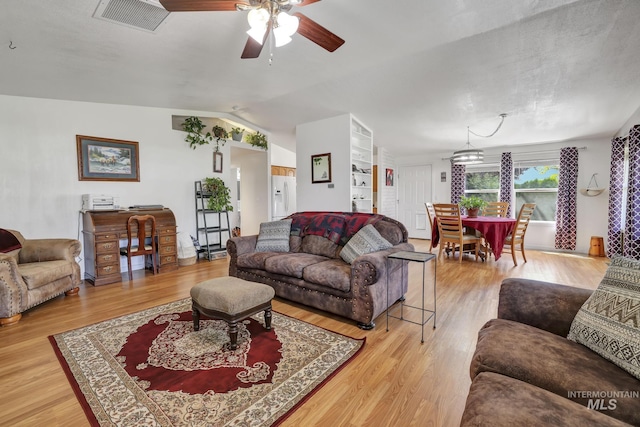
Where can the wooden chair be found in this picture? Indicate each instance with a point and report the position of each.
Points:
(451, 231)
(430, 214)
(498, 209)
(139, 222)
(517, 235)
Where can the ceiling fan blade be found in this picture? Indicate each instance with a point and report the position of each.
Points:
(252, 49)
(317, 33)
(199, 5)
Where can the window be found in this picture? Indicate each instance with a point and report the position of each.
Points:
(483, 181)
(537, 183)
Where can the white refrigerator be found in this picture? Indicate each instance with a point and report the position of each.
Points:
(283, 193)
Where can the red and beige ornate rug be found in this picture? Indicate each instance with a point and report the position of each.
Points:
(151, 368)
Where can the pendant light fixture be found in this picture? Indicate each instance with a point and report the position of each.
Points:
(473, 156)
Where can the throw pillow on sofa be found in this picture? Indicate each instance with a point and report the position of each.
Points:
(609, 321)
(274, 236)
(365, 241)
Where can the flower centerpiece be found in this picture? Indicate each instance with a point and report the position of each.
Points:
(472, 205)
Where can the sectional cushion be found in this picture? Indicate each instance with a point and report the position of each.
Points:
(318, 245)
(291, 264)
(37, 274)
(609, 321)
(553, 363)
(274, 236)
(365, 241)
(334, 274)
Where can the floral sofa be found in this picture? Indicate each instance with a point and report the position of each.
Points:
(311, 269)
(33, 271)
(559, 355)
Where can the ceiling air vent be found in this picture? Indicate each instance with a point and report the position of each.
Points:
(141, 14)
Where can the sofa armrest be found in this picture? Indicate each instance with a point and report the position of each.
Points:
(13, 290)
(242, 245)
(37, 250)
(544, 305)
(376, 263)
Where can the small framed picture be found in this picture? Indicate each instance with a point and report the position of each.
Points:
(320, 168)
(389, 180)
(103, 159)
(217, 162)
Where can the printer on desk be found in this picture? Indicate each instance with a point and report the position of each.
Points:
(100, 202)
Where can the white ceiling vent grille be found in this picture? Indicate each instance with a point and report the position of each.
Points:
(141, 14)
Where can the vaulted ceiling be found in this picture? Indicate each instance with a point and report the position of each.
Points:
(418, 72)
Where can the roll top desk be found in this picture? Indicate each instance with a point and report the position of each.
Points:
(103, 230)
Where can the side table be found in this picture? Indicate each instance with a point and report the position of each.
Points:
(424, 258)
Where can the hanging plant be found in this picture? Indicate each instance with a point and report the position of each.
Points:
(220, 198)
(236, 133)
(194, 126)
(257, 140)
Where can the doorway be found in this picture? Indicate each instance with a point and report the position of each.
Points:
(414, 190)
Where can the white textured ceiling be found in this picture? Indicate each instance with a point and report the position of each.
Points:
(418, 72)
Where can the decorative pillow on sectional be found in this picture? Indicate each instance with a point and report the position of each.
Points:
(274, 236)
(329, 226)
(365, 241)
(609, 321)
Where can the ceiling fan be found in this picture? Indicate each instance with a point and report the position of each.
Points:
(265, 16)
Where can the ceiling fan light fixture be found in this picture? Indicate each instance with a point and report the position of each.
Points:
(257, 33)
(288, 23)
(258, 17)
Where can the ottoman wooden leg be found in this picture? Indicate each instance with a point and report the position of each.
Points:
(267, 319)
(196, 318)
(233, 335)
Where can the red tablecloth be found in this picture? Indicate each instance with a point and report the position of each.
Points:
(494, 230)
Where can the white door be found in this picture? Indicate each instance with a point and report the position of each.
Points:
(414, 189)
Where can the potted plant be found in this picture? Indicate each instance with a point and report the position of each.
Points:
(220, 195)
(472, 205)
(257, 140)
(194, 126)
(236, 133)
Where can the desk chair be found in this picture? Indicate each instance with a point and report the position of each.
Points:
(139, 222)
(517, 235)
(451, 231)
(431, 213)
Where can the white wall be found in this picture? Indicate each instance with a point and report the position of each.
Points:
(592, 212)
(282, 157)
(387, 195)
(633, 120)
(39, 188)
(324, 136)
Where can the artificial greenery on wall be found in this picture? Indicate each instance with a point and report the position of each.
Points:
(195, 136)
(257, 139)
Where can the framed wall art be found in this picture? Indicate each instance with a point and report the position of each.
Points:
(389, 178)
(103, 159)
(217, 161)
(320, 168)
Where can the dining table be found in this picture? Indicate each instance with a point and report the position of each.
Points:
(494, 230)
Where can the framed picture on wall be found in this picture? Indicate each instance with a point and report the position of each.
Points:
(320, 168)
(103, 159)
(217, 162)
(389, 179)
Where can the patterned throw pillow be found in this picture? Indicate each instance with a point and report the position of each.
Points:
(365, 241)
(609, 321)
(274, 236)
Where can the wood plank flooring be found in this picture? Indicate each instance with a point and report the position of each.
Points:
(395, 381)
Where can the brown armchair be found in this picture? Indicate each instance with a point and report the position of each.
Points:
(34, 271)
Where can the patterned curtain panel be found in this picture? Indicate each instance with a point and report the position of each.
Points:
(614, 235)
(567, 194)
(631, 245)
(506, 181)
(457, 182)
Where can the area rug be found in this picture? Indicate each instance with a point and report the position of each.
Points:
(151, 369)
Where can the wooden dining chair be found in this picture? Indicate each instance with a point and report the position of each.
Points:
(139, 223)
(431, 214)
(451, 231)
(519, 230)
(498, 209)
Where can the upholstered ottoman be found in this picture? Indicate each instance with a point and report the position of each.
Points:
(231, 299)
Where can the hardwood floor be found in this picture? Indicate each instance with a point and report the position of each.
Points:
(395, 381)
